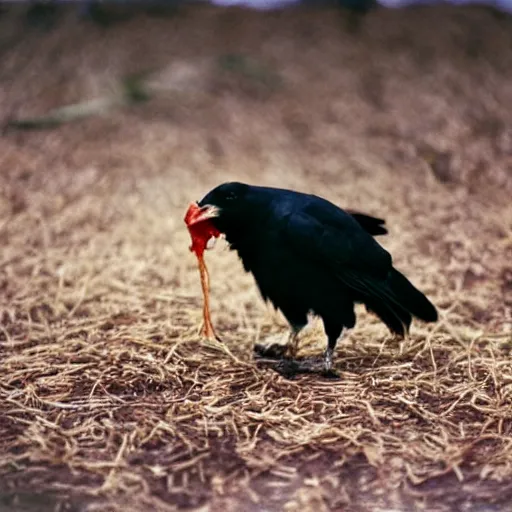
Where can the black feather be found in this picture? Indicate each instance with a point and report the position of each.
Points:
(371, 225)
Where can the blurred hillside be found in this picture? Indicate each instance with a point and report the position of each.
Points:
(394, 92)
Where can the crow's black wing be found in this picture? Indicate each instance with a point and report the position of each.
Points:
(337, 242)
(328, 213)
(372, 225)
(327, 236)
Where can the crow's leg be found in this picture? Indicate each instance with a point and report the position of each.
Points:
(293, 340)
(332, 339)
(278, 350)
(328, 359)
(334, 325)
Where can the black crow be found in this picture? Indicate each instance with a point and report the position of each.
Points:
(309, 256)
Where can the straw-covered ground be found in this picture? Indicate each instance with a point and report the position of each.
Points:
(110, 400)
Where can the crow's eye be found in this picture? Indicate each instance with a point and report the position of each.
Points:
(230, 196)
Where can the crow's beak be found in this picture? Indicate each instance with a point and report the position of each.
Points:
(196, 214)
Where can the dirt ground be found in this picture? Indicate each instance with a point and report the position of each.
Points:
(109, 398)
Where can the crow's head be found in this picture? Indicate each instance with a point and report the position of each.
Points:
(227, 205)
(226, 198)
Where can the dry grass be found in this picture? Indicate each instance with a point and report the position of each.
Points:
(108, 397)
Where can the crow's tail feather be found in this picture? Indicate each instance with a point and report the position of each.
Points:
(396, 301)
(411, 298)
(372, 225)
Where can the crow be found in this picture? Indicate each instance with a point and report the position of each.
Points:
(307, 255)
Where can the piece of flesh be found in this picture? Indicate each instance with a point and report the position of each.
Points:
(201, 232)
(207, 330)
